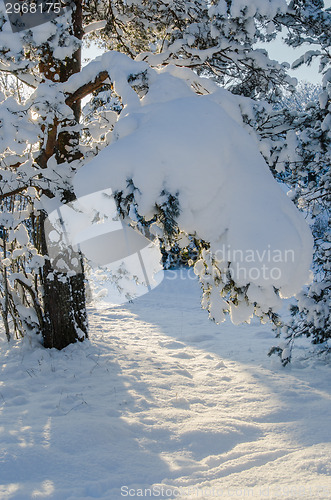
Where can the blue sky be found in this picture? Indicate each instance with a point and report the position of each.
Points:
(278, 50)
(281, 52)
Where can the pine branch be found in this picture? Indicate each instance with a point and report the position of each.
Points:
(87, 89)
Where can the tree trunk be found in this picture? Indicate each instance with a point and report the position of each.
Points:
(65, 317)
(4, 308)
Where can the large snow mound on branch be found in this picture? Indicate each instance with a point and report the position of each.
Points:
(194, 147)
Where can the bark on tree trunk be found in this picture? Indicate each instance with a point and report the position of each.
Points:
(65, 317)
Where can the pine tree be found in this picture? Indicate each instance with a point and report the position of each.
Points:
(56, 298)
(45, 138)
(309, 176)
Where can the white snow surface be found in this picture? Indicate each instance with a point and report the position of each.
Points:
(196, 148)
(160, 399)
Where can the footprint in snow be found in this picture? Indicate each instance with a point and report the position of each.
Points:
(182, 355)
(18, 401)
(184, 373)
(180, 403)
(172, 345)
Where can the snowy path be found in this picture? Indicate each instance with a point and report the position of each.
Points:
(161, 398)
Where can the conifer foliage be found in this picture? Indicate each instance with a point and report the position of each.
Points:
(309, 176)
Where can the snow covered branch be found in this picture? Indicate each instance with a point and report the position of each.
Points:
(96, 26)
(87, 88)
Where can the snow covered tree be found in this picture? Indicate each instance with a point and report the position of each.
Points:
(309, 178)
(178, 54)
(307, 173)
(38, 137)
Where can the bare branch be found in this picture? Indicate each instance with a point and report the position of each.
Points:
(12, 193)
(34, 299)
(30, 80)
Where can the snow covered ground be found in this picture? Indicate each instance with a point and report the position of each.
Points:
(163, 400)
